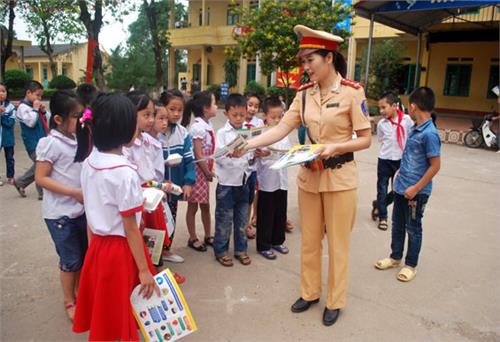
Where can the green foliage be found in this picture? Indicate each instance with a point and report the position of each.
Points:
(256, 88)
(16, 79)
(48, 92)
(274, 91)
(385, 66)
(271, 29)
(51, 20)
(135, 63)
(215, 89)
(62, 82)
(231, 66)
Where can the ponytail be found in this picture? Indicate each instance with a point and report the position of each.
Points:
(84, 140)
(196, 105)
(186, 115)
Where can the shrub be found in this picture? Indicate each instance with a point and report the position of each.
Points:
(287, 93)
(62, 82)
(16, 79)
(255, 87)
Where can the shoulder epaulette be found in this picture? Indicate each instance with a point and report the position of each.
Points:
(306, 85)
(351, 83)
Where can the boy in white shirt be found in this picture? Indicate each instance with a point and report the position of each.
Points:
(231, 210)
(392, 131)
(273, 190)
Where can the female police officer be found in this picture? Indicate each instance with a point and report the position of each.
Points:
(331, 108)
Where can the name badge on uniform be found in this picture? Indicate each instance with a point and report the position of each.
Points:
(333, 105)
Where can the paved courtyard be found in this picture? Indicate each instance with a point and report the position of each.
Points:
(455, 296)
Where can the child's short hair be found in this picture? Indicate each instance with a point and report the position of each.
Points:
(390, 97)
(158, 103)
(236, 100)
(423, 98)
(168, 95)
(86, 92)
(62, 103)
(32, 86)
(113, 124)
(139, 98)
(6, 88)
(271, 102)
(195, 106)
(253, 94)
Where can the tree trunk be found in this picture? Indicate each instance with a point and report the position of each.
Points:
(157, 50)
(93, 28)
(7, 48)
(47, 48)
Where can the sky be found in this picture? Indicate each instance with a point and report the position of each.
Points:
(111, 35)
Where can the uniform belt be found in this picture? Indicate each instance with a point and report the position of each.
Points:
(330, 163)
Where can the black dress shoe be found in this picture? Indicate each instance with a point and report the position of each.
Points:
(302, 305)
(330, 316)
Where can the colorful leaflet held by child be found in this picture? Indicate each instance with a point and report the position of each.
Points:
(179, 305)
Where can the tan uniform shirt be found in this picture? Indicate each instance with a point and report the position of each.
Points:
(330, 120)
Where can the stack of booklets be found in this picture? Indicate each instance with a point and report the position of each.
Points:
(298, 154)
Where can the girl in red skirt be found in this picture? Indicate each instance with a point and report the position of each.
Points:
(147, 153)
(117, 259)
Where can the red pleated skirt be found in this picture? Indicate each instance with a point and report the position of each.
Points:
(156, 220)
(108, 276)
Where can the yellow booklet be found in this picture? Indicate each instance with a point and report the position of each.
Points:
(296, 155)
(164, 318)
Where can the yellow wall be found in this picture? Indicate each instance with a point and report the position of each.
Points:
(74, 61)
(482, 52)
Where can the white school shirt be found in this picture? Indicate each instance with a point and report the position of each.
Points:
(230, 171)
(111, 190)
(29, 116)
(158, 160)
(387, 135)
(59, 150)
(200, 129)
(146, 153)
(253, 123)
(272, 180)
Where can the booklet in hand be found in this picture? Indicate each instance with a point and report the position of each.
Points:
(296, 155)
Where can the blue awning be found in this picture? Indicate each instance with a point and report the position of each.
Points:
(414, 16)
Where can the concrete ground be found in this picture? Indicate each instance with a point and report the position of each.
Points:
(454, 297)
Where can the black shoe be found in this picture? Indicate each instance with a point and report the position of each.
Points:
(302, 305)
(330, 316)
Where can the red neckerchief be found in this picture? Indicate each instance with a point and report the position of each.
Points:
(248, 125)
(40, 115)
(400, 130)
(211, 161)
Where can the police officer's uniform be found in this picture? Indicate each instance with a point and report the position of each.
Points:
(327, 189)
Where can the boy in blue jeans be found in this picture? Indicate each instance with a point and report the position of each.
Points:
(412, 188)
(232, 193)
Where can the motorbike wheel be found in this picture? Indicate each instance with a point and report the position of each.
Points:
(473, 139)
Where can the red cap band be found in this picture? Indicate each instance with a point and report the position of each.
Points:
(317, 43)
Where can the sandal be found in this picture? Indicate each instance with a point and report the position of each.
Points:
(250, 232)
(406, 274)
(70, 310)
(386, 263)
(281, 248)
(225, 261)
(209, 241)
(269, 254)
(244, 259)
(382, 225)
(200, 248)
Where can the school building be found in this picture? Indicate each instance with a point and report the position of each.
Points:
(71, 60)
(458, 57)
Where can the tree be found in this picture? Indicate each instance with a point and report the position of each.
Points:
(6, 7)
(268, 29)
(385, 67)
(50, 20)
(93, 28)
(231, 66)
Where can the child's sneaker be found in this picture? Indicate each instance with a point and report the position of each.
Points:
(178, 278)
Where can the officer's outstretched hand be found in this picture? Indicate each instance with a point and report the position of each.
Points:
(327, 151)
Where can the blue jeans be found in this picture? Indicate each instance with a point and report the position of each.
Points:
(385, 172)
(231, 212)
(9, 160)
(70, 239)
(407, 219)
